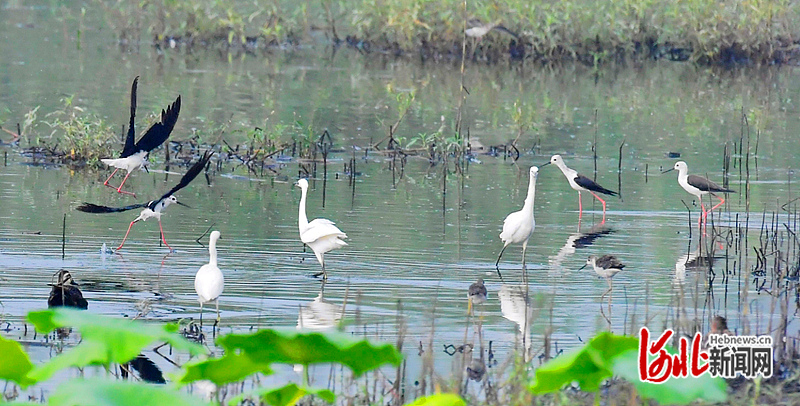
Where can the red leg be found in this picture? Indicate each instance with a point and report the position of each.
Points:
(162, 235)
(109, 178)
(126, 235)
(604, 205)
(580, 206)
(721, 202)
(119, 189)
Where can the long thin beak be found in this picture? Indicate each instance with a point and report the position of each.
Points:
(668, 170)
(184, 205)
(584, 266)
(548, 163)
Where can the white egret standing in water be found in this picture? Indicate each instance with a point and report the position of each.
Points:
(209, 282)
(321, 235)
(518, 226)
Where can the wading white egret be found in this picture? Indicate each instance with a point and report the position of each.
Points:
(321, 235)
(581, 184)
(698, 186)
(153, 208)
(209, 282)
(518, 226)
(134, 155)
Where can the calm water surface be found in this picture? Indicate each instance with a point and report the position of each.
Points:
(409, 243)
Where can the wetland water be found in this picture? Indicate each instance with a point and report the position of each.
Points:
(408, 241)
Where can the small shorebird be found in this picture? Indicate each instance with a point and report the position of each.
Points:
(518, 226)
(66, 293)
(321, 235)
(698, 186)
(476, 295)
(153, 208)
(606, 267)
(581, 184)
(134, 155)
(477, 28)
(209, 282)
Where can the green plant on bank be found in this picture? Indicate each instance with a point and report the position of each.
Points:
(78, 137)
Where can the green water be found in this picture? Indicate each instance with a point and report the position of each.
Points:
(408, 241)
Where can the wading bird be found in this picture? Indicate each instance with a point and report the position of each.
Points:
(606, 267)
(698, 186)
(518, 226)
(134, 155)
(209, 282)
(321, 235)
(477, 28)
(154, 208)
(66, 293)
(476, 295)
(581, 184)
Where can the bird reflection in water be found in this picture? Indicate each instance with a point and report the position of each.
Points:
(319, 314)
(577, 241)
(515, 305)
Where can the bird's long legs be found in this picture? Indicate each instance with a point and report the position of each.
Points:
(216, 322)
(323, 273)
(604, 205)
(119, 189)
(162, 235)
(201, 316)
(580, 206)
(126, 235)
(497, 264)
(109, 178)
(524, 247)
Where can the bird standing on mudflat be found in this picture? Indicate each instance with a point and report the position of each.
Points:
(153, 208)
(66, 293)
(606, 267)
(581, 184)
(321, 235)
(518, 226)
(698, 186)
(134, 155)
(209, 281)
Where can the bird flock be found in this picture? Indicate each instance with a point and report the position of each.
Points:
(322, 235)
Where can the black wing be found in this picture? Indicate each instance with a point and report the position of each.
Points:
(128, 149)
(159, 132)
(706, 185)
(148, 370)
(589, 184)
(609, 261)
(477, 289)
(187, 178)
(94, 208)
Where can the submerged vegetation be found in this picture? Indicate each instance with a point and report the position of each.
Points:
(703, 31)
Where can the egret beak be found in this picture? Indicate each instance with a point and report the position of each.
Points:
(545, 164)
(184, 205)
(584, 266)
(668, 170)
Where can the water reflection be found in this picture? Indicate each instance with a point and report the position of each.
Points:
(319, 314)
(576, 241)
(515, 306)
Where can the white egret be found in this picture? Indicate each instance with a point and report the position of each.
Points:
(209, 282)
(321, 235)
(518, 226)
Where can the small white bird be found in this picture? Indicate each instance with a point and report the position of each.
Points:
(321, 235)
(209, 282)
(698, 186)
(518, 226)
(134, 155)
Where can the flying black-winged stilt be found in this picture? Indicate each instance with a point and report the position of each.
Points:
(606, 267)
(698, 186)
(153, 208)
(476, 295)
(321, 235)
(209, 282)
(581, 183)
(134, 155)
(66, 292)
(518, 226)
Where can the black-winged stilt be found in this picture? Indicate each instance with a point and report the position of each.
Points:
(66, 293)
(134, 155)
(518, 226)
(581, 183)
(321, 235)
(698, 186)
(209, 282)
(606, 267)
(153, 208)
(476, 295)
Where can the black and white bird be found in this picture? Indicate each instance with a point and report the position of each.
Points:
(476, 295)
(581, 184)
(698, 186)
(605, 267)
(153, 208)
(134, 155)
(66, 292)
(518, 226)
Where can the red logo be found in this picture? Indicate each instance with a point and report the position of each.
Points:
(664, 365)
